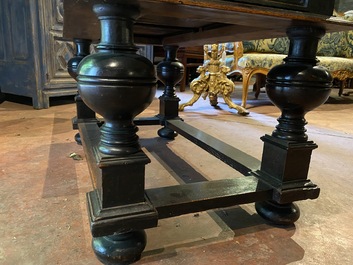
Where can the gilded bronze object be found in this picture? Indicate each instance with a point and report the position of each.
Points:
(213, 80)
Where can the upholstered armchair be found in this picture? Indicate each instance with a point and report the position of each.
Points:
(249, 58)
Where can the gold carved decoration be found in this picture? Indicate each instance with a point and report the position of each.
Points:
(213, 80)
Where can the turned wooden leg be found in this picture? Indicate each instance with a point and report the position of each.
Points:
(82, 111)
(342, 84)
(118, 208)
(245, 83)
(295, 87)
(170, 71)
(260, 82)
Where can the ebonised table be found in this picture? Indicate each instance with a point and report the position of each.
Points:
(119, 84)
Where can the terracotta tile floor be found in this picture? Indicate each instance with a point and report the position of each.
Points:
(43, 216)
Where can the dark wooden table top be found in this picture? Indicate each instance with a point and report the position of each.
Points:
(194, 22)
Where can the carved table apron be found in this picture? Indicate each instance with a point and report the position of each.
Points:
(119, 84)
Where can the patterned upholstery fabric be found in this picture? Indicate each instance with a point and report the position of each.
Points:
(335, 44)
(266, 53)
(253, 60)
(336, 64)
(262, 60)
(276, 45)
(349, 51)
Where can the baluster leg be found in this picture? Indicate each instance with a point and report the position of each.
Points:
(170, 71)
(118, 84)
(296, 87)
(83, 113)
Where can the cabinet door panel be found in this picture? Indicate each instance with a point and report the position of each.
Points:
(2, 37)
(17, 60)
(19, 31)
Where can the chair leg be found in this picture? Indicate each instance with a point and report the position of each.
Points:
(260, 82)
(340, 91)
(246, 80)
(349, 85)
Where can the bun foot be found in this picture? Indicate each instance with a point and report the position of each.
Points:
(78, 139)
(167, 133)
(120, 249)
(278, 214)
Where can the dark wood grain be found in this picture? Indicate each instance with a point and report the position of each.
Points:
(192, 23)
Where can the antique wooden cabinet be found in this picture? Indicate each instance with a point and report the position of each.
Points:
(33, 54)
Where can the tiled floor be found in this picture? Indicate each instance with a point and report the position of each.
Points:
(43, 216)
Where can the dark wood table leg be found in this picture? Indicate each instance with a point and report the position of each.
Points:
(118, 84)
(170, 71)
(83, 113)
(295, 87)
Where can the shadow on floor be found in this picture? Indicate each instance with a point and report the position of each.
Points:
(54, 101)
(232, 221)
